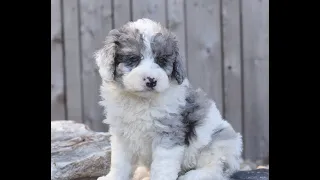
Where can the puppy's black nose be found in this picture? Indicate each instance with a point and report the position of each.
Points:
(151, 82)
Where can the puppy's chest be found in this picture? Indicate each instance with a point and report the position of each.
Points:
(138, 136)
(138, 127)
(137, 122)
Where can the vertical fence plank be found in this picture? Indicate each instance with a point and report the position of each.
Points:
(232, 63)
(154, 10)
(204, 47)
(255, 28)
(57, 79)
(121, 12)
(176, 23)
(96, 22)
(72, 60)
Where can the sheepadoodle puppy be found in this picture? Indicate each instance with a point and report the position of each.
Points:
(157, 120)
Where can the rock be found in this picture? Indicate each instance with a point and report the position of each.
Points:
(256, 174)
(78, 153)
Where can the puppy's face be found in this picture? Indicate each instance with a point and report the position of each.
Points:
(142, 57)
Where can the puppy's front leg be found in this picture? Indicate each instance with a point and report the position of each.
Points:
(120, 168)
(166, 160)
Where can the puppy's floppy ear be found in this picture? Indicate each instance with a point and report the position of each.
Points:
(179, 72)
(105, 56)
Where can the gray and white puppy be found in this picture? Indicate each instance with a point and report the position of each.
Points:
(156, 119)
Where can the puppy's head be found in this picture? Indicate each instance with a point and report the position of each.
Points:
(141, 57)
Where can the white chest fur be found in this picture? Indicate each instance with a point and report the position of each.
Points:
(134, 119)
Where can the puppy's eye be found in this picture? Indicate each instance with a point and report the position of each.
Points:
(161, 61)
(135, 58)
(132, 60)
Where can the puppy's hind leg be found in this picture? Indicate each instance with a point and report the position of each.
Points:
(217, 162)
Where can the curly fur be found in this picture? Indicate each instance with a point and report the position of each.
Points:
(172, 130)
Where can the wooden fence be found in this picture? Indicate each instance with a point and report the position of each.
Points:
(225, 44)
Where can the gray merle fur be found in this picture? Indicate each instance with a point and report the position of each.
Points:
(166, 53)
(128, 45)
(180, 127)
(195, 110)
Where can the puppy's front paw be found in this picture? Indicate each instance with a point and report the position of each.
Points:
(141, 173)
